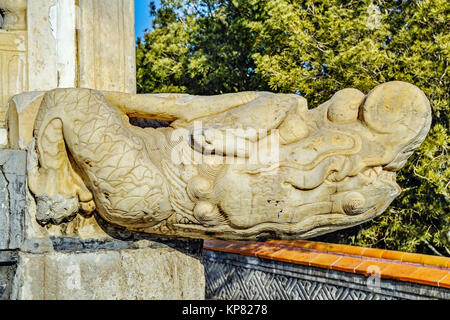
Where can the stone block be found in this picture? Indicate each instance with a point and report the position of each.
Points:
(22, 111)
(143, 273)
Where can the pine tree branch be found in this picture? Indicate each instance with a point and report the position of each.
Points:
(432, 248)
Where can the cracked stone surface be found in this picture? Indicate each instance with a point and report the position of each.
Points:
(12, 198)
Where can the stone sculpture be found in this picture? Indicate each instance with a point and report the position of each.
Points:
(321, 170)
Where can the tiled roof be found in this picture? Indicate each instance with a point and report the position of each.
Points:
(403, 266)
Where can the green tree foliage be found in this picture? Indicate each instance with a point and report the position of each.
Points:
(315, 48)
(197, 47)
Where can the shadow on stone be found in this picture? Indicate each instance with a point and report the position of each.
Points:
(125, 239)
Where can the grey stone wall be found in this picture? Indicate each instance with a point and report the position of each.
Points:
(233, 276)
(12, 213)
(12, 198)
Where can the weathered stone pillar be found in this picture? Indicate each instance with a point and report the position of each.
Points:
(88, 44)
(47, 44)
(12, 198)
(106, 45)
(13, 57)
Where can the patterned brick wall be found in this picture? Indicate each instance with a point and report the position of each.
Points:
(304, 270)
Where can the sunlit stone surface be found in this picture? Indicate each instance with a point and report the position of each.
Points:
(234, 166)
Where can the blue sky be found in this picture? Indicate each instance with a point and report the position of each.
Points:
(143, 19)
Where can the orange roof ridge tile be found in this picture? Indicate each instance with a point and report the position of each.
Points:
(414, 258)
(418, 268)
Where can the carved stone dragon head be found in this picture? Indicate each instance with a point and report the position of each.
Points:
(328, 168)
